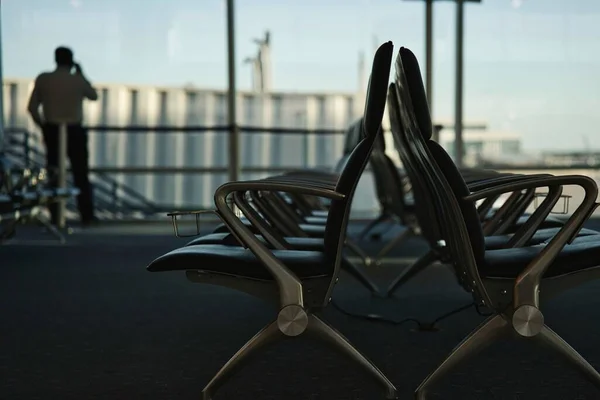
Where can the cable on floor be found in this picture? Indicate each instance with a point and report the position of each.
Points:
(422, 326)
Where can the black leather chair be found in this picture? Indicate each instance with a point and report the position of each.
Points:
(279, 223)
(296, 217)
(283, 219)
(507, 227)
(299, 282)
(512, 281)
(314, 209)
(310, 213)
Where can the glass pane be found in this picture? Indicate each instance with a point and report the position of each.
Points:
(153, 63)
(530, 81)
(530, 76)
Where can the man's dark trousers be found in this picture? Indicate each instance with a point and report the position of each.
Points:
(77, 151)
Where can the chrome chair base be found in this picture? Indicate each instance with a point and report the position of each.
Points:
(498, 326)
(316, 328)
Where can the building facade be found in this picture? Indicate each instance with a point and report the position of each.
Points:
(123, 106)
(146, 152)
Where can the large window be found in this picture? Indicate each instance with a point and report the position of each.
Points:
(135, 42)
(531, 72)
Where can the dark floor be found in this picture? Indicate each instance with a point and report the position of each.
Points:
(86, 321)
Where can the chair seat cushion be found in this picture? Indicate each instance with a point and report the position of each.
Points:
(297, 243)
(233, 260)
(583, 253)
(315, 231)
(549, 222)
(500, 241)
(316, 244)
(222, 235)
(316, 220)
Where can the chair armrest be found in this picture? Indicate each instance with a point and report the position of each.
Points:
(485, 207)
(473, 178)
(550, 182)
(304, 180)
(309, 171)
(290, 287)
(279, 216)
(512, 208)
(536, 182)
(530, 227)
(272, 237)
(276, 184)
(491, 182)
(533, 273)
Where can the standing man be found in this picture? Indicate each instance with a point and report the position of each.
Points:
(60, 93)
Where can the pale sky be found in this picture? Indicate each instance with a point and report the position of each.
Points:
(531, 66)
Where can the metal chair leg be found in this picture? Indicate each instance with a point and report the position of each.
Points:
(492, 328)
(359, 274)
(323, 331)
(401, 237)
(355, 248)
(9, 230)
(42, 219)
(371, 225)
(268, 335)
(411, 271)
(558, 344)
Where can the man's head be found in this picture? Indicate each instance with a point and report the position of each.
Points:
(63, 56)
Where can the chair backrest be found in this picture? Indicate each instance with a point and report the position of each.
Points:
(354, 134)
(389, 187)
(440, 180)
(425, 211)
(339, 211)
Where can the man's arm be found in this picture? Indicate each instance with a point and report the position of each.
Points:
(34, 104)
(88, 90)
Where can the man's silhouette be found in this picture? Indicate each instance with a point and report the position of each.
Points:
(61, 94)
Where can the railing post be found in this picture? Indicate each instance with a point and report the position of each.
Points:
(62, 172)
(429, 58)
(305, 145)
(2, 134)
(437, 130)
(114, 197)
(234, 134)
(459, 150)
(26, 149)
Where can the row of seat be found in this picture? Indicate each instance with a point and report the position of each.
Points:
(288, 249)
(24, 195)
(306, 215)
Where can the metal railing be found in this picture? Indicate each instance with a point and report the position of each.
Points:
(118, 200)
(106, 189)
(137, 129)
